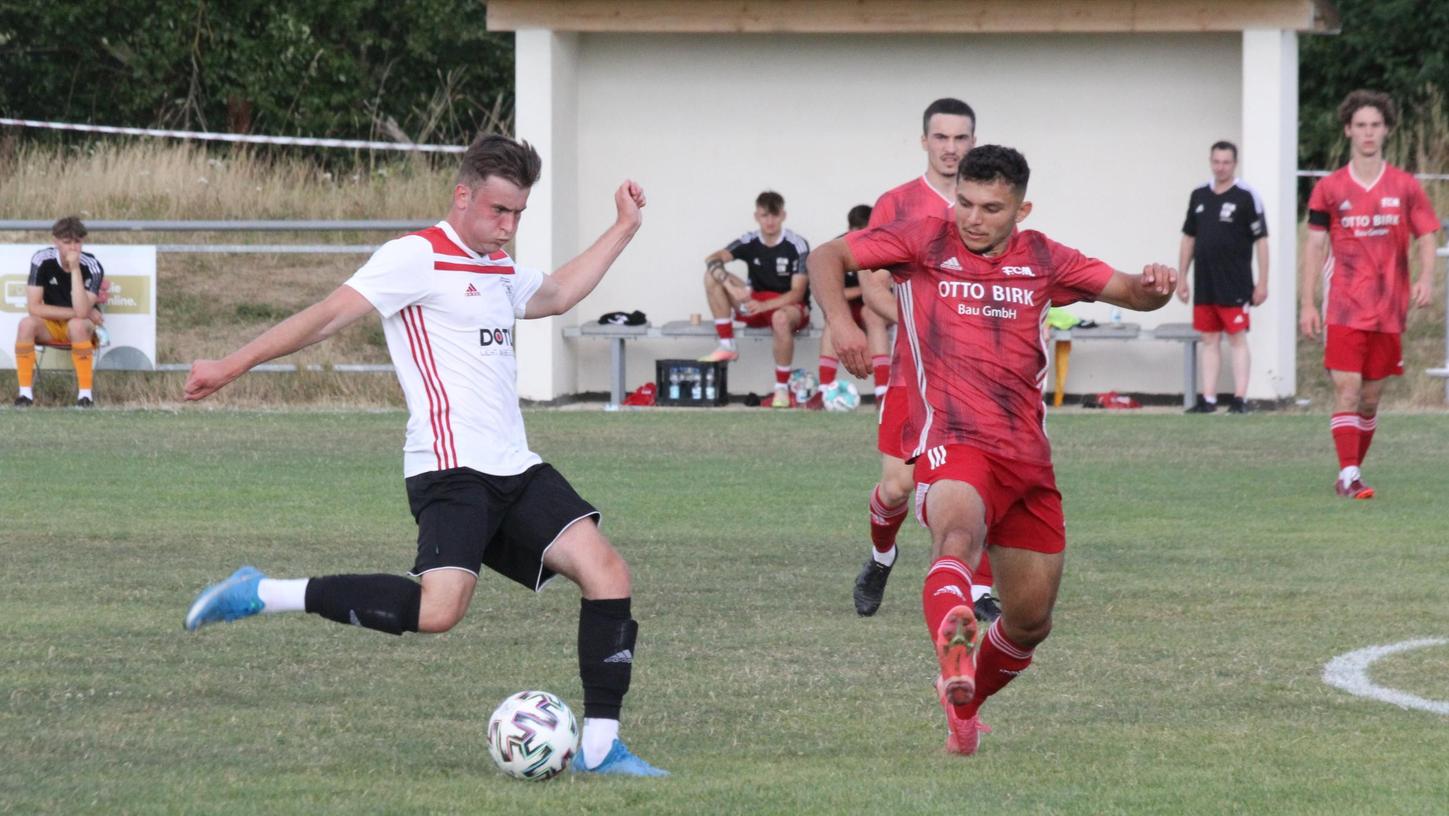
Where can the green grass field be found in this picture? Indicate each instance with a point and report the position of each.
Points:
(1211, 575)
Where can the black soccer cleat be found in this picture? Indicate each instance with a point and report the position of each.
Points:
(987, 609)
(23, 402)
(84, 402)
(1202, 407)
(870, 587)
(1238, 406)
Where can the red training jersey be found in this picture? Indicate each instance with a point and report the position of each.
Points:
(910, 201)
(975, 331)
(1369, 230)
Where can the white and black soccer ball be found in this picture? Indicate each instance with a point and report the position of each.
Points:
(533, 735)
(840, 396)
(803, 385)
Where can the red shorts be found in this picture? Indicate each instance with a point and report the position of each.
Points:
(1228, 319)
(892, 414)
(1023, 507)
(1375, 355)
(857, 312)
(761, 320)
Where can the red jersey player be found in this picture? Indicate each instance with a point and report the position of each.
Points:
(948, 131)
(1368, 212)
(974, 293)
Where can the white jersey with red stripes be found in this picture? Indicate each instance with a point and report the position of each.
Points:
(448, 315)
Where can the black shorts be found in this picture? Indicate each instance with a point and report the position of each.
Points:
(467, 519)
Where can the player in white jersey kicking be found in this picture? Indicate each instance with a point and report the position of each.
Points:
(448, 297)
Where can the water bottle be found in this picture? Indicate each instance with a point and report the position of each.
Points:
(1116, 316)
(709, 389)
(674, 384)
(697, 391)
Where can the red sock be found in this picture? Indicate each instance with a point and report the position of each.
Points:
(782, 375)
(1345, 438)
(982, 576)
(1366, 427)
(948, 585)
(725, 328)
(885, 522)
(882, 365)
(828, 367)
(998, 662)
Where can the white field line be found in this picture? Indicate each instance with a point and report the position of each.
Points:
(1350, 673)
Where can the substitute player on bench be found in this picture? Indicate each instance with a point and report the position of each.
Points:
(973, 293)
(448, 297)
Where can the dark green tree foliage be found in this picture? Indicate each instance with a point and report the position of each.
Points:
(1397, 46)
(425, 70)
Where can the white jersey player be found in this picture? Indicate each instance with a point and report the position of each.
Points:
(448, 297)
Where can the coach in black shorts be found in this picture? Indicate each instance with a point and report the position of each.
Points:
(448, 297)
(1225, 225)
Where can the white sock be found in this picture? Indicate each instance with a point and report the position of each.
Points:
(880, 391)
(83, 393)
(978, 591)
(1212, 399)
(728, 344)
(1348, 474)
(885, 559)
(27, 391)
(283, 595)
(599, 736)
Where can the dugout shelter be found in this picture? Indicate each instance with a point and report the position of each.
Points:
(706, 103)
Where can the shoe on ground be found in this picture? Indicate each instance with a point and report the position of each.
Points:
(870, 587)
(24, 402)
(816, 402)
(1202, 406)
(85, 402)
(987, 609)
(781, 400)
(720, 355)
(230, 600)
(620, 762)
(1353, 490)
(1238, 406)
(955, 643)
(963, 735)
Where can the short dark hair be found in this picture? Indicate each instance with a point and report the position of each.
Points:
(69, 228)
(949, 106)
(858, 217)
(771, 202)
(500, 156)
(1224, 144)
(991, 163)
(1368, 99)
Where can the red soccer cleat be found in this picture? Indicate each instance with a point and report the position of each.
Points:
(1355, 489)
(955, 642)
(963, 736)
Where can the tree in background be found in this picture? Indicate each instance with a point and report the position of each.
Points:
(422, 70)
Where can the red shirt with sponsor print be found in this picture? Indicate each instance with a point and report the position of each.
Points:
(910, 201)
(975, 330)
(1369, 230)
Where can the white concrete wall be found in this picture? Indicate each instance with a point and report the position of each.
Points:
(1116, 128)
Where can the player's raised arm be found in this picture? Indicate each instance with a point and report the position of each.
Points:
(1146, 292)
(573, 281)
(827, 266)
(311, 325)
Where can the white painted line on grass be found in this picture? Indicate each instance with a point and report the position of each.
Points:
(1350, 673)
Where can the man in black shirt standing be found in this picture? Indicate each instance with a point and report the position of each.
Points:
(776, 293)
(61, 297)
(1225, 227)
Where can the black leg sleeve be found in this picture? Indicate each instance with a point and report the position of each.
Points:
(387, 603)
(606, 655)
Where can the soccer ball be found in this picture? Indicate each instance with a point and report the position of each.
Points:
(841, 396)
(803, 385)
(533, 735)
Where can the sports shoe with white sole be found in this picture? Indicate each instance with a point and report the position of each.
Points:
(230, 600)
(720, 355)
(621, 762)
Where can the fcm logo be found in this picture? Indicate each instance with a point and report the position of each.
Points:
(495, 337)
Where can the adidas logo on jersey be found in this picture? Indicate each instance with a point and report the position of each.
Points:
(952, 264)
(471, 291)
(1345, 206)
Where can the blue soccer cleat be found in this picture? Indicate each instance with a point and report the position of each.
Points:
(619, 761)
(230, 600)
